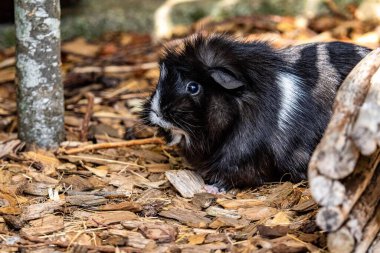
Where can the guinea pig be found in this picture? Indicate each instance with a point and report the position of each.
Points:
(244, 113)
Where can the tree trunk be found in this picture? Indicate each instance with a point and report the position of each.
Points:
(40, 90)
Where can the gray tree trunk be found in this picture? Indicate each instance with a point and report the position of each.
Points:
(40, 90)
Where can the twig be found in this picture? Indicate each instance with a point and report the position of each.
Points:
(98, 160)
(115, 69)
(87, 116)
(115, 145)
(135, 95)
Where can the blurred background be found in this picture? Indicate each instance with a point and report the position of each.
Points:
(92, 19)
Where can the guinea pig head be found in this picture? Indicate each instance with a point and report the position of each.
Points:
(194, 102)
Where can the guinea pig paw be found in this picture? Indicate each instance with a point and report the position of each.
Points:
(213, 189)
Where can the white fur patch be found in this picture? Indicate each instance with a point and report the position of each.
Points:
(176, 139)
(155, 117)
(324, 63)
(361, 51)
(155, 105)
(290, 95)
(164, 71)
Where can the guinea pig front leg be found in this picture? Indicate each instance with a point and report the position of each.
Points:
(214, 189)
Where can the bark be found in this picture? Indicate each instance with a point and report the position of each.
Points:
(366, 133)
(40, 90)
(370, 232)
(375, 246)
(336, 155)
(332, 216)
(364, 209)
(344, 171)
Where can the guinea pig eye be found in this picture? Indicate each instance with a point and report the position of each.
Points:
(193, 88)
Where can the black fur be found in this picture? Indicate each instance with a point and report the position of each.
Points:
(234, 138)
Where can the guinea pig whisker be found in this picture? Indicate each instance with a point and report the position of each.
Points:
(180, 123)
(189, 124)
(182, 111)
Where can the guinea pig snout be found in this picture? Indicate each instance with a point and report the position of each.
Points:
(155, 114)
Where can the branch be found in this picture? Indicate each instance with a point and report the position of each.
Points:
(114, 145)
(336, 155)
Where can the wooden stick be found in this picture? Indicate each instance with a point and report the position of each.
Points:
(87, 116)
(336, 155)
(361, 213)
(331, 217)
(115, 69)
(115, 145)
(366, 133)
(135, 95)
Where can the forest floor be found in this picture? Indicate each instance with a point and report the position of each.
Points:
(114, 187)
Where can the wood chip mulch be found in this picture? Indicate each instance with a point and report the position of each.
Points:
(113, 186)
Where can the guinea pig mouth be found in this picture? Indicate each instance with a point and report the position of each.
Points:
(177, 133)
(157, 119)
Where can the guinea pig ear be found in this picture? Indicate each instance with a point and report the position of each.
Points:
(225, 78)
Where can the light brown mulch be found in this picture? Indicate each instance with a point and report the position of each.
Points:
(113, 186)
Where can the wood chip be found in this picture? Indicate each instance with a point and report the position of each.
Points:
(210, 247)
(42, 157)
(273, 231)
(305, 206)
(222, 222)
(100, 171)
(8, 147)
(36, 211)
(191, 218)
(257, 212)
(85, 200)
(134, 239)
(203, 199)
(110, 217)
(37, 189)
(239, 203)
(125, 205)
(77, 183)
(196, 239)
(158, 167)
(186, 182)
(220, 212)
(159, 232)
(43, 226)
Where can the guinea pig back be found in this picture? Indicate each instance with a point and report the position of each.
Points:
(244, 113)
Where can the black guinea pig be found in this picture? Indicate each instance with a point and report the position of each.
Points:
(244, 113)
